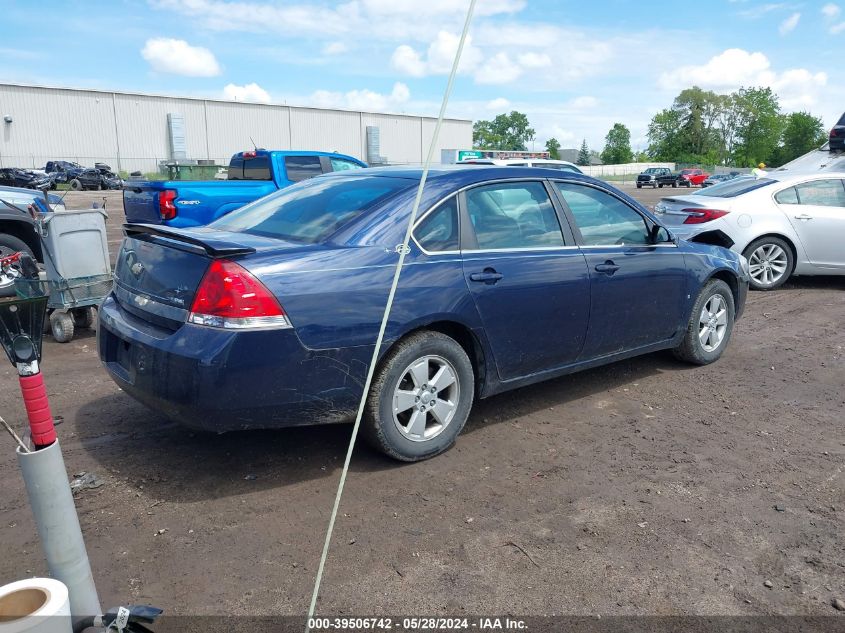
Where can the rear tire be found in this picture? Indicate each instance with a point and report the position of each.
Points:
(660, 185)
(771, 261)
(674, 185)
(84, 317)
(76, 184)
(710, 325)
(61, 325)
(420, 398)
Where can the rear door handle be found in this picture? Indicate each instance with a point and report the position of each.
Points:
(607, 268)
(803, 216)
(489, 276)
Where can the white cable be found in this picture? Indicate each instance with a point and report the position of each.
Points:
(402, 252)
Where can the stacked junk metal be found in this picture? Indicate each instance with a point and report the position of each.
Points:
(67, 602)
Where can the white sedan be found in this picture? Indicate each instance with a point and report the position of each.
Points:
(784, 223)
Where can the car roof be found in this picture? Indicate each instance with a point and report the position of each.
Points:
(461, 175)
(510, 162)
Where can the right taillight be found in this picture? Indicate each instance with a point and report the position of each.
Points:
(166, 206)
(832, 132)
(230, 297)
(700, 216)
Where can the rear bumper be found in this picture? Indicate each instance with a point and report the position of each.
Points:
(220, 381)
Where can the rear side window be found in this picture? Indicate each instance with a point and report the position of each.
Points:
(821, 193)
(312, 210)
(301, 168)
(439, 230)
(787, 196)
(513, 215)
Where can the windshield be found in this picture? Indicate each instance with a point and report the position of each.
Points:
(312, 210)
(734, 187)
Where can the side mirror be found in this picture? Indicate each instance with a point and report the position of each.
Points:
(660, 235)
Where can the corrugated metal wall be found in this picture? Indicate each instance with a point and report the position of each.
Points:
(129, 131)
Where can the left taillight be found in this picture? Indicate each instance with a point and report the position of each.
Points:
(166, 204)
(230, 297)
(700, 216)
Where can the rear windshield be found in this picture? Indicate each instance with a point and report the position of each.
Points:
(735, 187)
(256, 168)
(312, 210)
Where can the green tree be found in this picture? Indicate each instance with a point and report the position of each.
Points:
(617, 146)
(759, 126)
(553, 148)
(802, 133)
(506, 132)
(664, 138)
(584, 154)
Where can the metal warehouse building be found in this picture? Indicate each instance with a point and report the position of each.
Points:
(132, 131)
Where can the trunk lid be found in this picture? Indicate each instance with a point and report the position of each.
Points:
(670, 210)
(159, 269)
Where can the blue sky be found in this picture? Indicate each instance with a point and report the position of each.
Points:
(574, 67)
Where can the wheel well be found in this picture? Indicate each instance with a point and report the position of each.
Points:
(24, 232)
(730, 279)
(780, 237)
(466, 339)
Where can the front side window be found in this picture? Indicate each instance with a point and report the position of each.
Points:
(301, 168)
(439, 230)
(341, 164)
(603, 219)
(513, 215)
(821, 193)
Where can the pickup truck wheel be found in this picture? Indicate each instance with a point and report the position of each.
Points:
(674, 185)
(660, 185)
(421, 397)
(639, 186)
(76, 184)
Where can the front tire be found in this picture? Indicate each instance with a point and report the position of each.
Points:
(710, 326)
(76, 184)
(420, 398)
(771, 262)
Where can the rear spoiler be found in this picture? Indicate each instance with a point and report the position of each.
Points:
(213, 248)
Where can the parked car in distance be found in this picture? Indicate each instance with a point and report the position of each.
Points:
(268, 316)
(546, 163)
(95, 179)
(785, 223)
(251, 175)
(657, 177)
(692, 177)
(63, 170)
(836, 140)
(25, 179)
(715, 179)
(17, 228)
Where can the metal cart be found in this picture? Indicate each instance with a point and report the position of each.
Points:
(77, 269)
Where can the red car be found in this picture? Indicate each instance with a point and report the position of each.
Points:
(691, 177)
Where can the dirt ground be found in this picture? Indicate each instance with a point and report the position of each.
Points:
(645, 487)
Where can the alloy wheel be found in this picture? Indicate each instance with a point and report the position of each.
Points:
(768, 264)
(713, 323)
(425, 398)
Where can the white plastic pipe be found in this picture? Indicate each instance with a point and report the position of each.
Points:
(55, 515)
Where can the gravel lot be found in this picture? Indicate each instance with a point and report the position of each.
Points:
(645, 487)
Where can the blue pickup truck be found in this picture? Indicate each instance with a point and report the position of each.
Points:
(251, 175)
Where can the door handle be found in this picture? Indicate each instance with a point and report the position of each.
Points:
(489, 276)
(803, 216)
(607, 268)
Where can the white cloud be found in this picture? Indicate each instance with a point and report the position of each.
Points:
(836, 29)
(499, 69)
(831, 11)
(251, 93)
(335, 48)
(789, 24)
(534, 60)
(583, 103)
(414, 10)
(735, 68)
(439, 57)
(364, 99)
(500, 103)
(177, 57)
(760, 10)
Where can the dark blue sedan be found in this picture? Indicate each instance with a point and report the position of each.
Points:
(267, 318)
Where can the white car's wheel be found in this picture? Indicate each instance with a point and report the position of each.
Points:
(771, 262)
